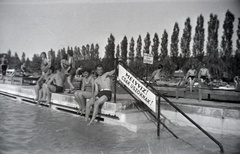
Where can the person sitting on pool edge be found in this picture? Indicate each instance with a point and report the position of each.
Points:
(159, 78)
(102, 93)
(55, 84)
(86, 92)
(39, 86)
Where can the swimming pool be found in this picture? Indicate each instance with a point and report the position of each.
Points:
(32, 129)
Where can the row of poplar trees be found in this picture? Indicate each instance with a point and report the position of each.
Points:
(219, 59)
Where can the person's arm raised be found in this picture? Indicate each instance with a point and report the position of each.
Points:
(110, 73)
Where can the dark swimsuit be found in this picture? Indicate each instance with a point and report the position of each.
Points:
(59, 89)
(107, 93)
(204, 77)
(191, 76)
(4, 67)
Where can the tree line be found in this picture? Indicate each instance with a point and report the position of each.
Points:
(219, 60)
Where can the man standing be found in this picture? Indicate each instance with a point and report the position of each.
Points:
(102, 93)
(4, 65)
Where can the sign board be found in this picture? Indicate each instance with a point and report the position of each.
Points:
(141, 91)
(147, 58)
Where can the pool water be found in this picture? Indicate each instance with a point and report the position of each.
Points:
(31, 129)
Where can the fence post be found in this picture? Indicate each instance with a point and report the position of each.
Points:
(115, 79)
(158, 124)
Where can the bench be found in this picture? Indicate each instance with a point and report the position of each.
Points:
(231, 95)
(21, 80)
(178, 91)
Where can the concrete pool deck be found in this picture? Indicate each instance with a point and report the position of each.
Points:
(216, 117)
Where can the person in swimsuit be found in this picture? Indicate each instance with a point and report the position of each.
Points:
(160, 79)
(71, 70)
(79, 75)
(102, 93)
(45, 63)
(54, 84)
(191, 74)
(203, 74)
(25, 71)
(39, 86)
(64, 62)
(157, 74)
(86, 92)
(236, 80)
(4, 65)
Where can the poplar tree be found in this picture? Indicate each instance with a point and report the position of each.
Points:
(174, 43)
(131, 52)
(238, 38)
(199, 38)
(237, 54)
(139, 48)
(186, 38)
(87, 52)
(155, 47)
(214, 63)
(84, 52)
(109, 53)
(212, 40)
(92, 53)
(147, 42)
(124, 45)
(139, 66)
(226, 43)
(164, 45)
(96, 52)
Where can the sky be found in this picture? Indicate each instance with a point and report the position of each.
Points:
(34, 26)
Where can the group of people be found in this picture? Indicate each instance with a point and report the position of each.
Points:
(160, 78)
(94, 91)
(192, 76)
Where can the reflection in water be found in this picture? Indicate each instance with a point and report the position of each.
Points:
(30, 129)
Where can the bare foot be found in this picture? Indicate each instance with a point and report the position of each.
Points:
(42, 100)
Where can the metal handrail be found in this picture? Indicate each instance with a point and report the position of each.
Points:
(169, 102)
(158, 119)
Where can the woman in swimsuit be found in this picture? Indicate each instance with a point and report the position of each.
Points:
(44, 64)
(86, 91)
